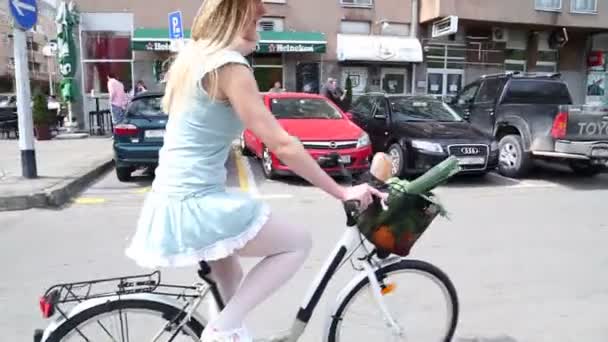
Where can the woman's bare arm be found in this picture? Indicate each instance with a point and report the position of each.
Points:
(237, 85)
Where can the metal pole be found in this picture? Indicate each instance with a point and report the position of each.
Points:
(24, 110)
(50, 71)
(414, 27)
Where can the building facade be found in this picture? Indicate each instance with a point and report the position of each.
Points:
(489, 36)
(397, 46)
(302, 44)
(42, 68)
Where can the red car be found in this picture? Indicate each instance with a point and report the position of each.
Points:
(321, 127)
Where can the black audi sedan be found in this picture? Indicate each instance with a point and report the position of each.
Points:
(419, 132)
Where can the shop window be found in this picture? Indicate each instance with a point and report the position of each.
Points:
(355, 27)
(96, 75)
(363, 3)
(267, 70)
(584, 6)
(548, 5)
(105, 45)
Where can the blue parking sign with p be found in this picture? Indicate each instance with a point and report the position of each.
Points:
(176, 27)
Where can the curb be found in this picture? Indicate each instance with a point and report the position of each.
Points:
(58, 195)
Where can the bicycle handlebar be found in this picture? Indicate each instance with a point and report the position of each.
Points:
(351, 207)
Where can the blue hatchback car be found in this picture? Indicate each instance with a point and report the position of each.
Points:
(139, 137)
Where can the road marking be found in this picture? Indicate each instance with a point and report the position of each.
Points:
(90, 200)
(143, 190)
(245, 173)
(241, 172)
(524, 183)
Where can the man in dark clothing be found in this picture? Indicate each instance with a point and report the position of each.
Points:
(331, 91)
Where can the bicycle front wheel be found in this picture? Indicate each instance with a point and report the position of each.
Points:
(419, 296)
(129, 321)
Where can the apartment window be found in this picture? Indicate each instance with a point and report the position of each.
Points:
(584, 6)
(394, 29)
(355, 27)
(548, 5)
(358, 3)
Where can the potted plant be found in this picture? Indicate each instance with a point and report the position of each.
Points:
(42, 116)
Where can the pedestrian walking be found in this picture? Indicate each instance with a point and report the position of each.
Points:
(331, 91)
(211, 96)
(118, 98)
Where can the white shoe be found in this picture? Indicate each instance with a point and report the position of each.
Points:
(236, 335)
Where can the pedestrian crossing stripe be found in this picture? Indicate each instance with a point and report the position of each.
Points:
(90, 200)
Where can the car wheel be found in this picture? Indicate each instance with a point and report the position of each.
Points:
(397, 159)
(124, 173)
(513, 161)
(244, 150)
(267, 164)
(585, 169)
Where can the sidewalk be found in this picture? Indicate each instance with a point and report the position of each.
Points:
(65, 167)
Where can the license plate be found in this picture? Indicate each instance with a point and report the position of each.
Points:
(156, 133)
(345, 159)
(599, 152)
(471, 160)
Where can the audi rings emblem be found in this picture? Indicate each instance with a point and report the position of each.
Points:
(333, 145)
(469, 150)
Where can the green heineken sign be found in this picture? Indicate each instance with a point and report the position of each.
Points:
(157, 39)
(152, 45)
(290, 48)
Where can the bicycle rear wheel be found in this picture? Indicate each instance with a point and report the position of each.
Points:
(131, 320)
(406, 294)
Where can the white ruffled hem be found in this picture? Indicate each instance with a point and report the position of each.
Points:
(219, 250)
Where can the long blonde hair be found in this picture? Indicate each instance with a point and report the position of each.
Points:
(215, 27)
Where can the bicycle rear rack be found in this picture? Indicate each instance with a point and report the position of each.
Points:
(79, 292)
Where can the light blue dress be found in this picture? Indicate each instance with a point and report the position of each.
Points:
(189, 215)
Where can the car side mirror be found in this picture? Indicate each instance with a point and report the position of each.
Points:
(349, 115)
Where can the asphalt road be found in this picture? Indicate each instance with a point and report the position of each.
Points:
(528, 257)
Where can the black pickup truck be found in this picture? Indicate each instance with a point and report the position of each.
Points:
(532, 117)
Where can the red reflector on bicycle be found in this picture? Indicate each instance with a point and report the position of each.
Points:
(46, 308)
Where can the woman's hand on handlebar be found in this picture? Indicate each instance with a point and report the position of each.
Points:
(362, 194)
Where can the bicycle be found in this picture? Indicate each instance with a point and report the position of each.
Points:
(177, 305)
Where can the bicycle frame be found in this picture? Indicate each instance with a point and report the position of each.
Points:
(344, 250)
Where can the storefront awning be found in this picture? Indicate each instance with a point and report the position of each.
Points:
(353, 47)
(151, 39)
(290, 42)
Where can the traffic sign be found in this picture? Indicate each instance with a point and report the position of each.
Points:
(176, 27)
(25, 13)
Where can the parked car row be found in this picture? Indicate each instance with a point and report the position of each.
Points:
(502, 121)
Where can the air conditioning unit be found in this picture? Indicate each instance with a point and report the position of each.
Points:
(500, 34)
(270, 24)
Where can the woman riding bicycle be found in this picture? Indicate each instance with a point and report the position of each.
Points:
(189, 216)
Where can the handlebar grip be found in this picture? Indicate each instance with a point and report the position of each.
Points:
(351, 208)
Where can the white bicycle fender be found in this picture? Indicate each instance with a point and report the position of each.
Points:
(97, 301)
(349, 287)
